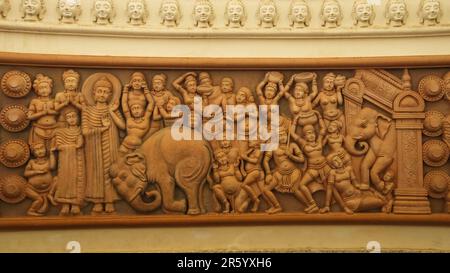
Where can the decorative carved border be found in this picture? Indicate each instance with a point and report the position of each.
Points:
(49, 60)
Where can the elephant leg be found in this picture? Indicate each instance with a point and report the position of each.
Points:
(191, 192)
(167, 185)
(366, 166)
(381, 164)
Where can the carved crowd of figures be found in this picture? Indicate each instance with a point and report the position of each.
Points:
(98, 143)
(103, 12)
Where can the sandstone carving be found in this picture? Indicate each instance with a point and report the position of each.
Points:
(331, 14)
(16, 84)
(433, 123)
(363, 13)
(32, 10)
(435, 153)
(14, 153)
(431, 88)
(299, 14)
(13, 118)
(5, 7)
(430, 12)
(12, 189)
(203, 14)
(103, 12)
(69, 11)
(235, 14)
(170, 13)
(267, 14)
(137, 12)
(437, 184)
(396, 13)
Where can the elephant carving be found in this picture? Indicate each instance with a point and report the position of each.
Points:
(373, 136)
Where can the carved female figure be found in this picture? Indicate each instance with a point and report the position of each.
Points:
(70, 95)
(187, 85)
(273, 91)
(203, 14)
(103, 12)
(235, 14)
(71, 180)
(32, 10)
(330, 98)
(335, 140)
(137, 12)
(166, 112)
(396, 13)
(40, 181)
(253, 173)
(331, 14)
(267, 14)
(69, 11)
(42, 112)
(299, 14)
(229, 178)
(138, 121)
(5, 7)
(430, 12)
(101, 121)
(170, 13)
(317, 169)
(363, 13)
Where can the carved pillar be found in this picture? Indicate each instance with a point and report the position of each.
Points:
(353, 94)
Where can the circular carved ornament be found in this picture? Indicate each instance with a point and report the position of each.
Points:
(437, 184)
(14, 118)
(16, 84)
(12, 188)
(14, 153)
(435, 153)
(431, 88)
(433, 123)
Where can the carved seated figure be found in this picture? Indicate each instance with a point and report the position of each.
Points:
(40, 180)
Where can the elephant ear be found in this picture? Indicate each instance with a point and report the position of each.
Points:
(383, 125)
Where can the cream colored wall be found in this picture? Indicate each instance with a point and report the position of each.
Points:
(153, 40)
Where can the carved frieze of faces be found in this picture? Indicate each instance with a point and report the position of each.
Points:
(5, 6)
(396, 13)
(299, 14)
(235, 14)
(69, 11)
(170, 13)
(267, 14)
(363, 13)
(430, 12)
(203, 14)
(32, 10)
(103, 12)
(331, 13)
(137, 12)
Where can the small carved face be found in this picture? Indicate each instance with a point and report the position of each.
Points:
(270, 92)
(363, 12)
(331, 12)
(267, 13)
(328, 84)
(102, 94)
(202, 13)
(136, 10)
(191, 86)
(39, 150)
(226, 86)
(32, 7)
(397, 11)
(431, 10)
(337, 162)
(299, 13)
(137, 111)
(68, 8)
(103, 9)
(300, 92)
(332, 128)
(283, 137)
(171, 104)
(241, 97)
(169, 11)
(137, 82)
(309, 134)
(158, 85)
(44, 89)
(235, 13)
(72, 118)
(71, 83)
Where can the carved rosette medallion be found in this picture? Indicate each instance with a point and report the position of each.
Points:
(431, 88)
(437, 184)
(435, 153)
(13, 118)
(14, 153)
(433, 123)
(16, 84)
(12, 189)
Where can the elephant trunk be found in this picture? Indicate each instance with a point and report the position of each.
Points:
(356, 147)
(140, 205)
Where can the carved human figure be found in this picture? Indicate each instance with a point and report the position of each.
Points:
(137, 12)
(430, 12)
(235, 14)
(341, 185)
(203, 14)
(69, 11)
(335, 140)
(71, 96)
(253, 172)
(285, 174)
(71, 180)
(228, 96)
(101, 122)
(317, 167)
(161, 98)
(330, 98)
(5, 7)
(187, 86)
(267, 14)
(363, 13)
(138, 120)
(165, 113)
(103, 12)
(40, 180)
(273, 91)
(32, 10)
(396, 13)
(228, 179)
(170, 13)
(299, 14)
(331, 14)
(42, 112)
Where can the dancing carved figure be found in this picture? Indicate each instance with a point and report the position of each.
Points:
(253, 173)
(363, 13)
(101, 122)
(32, 10)
(299, 14)
(170, 13)
(430, 12)
(103, 12)
(267, 14)
(69, 11)
(42, 112)
(70, 183)
(40, 180)
(375, 135)
(138, 120)
(235, 14)
(137, 12)
(229, 180)
(331, 14)
(5, 7)
(71, 96)
(335, 140)
(203, 14)
(396, 13)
